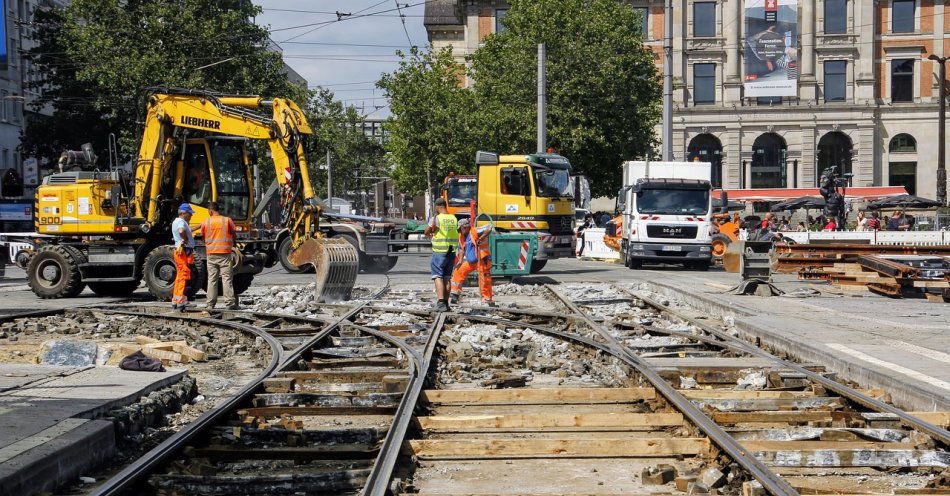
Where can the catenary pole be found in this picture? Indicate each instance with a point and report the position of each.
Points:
(542, 101)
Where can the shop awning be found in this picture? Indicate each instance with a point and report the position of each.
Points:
(782, 194)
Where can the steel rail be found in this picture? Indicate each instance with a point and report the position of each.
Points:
(770, 481)
(159, 454)
(932, 430)
(377, 483)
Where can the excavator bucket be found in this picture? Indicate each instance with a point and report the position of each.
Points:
(336, 262)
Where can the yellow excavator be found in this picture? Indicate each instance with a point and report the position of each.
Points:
(110, 229)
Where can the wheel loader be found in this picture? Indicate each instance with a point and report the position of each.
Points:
(111, 229)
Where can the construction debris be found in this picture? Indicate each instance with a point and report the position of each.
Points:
(896, 276)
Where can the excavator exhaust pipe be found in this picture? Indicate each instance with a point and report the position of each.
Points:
(336, 262)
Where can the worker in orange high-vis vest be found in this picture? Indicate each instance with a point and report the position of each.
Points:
(474, 254)
(218, 232)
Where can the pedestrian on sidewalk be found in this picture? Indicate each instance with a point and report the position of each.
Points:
(444, 231)
(184, 257)
(218, 232)
(474, 255)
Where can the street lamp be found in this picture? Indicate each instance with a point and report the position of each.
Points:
(941, 132)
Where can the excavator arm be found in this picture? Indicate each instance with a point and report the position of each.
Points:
(280, 122)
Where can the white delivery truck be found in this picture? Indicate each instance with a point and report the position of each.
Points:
(667, 210)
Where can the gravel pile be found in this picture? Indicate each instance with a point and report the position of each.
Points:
(479, 352)
(291, 300)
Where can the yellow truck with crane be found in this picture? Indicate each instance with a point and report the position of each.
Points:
(110, 230)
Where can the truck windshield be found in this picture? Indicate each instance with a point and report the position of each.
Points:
(552, 182)
(462, 193)
(673, 201)
(230, 176)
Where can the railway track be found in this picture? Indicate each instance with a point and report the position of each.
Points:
(609, 394)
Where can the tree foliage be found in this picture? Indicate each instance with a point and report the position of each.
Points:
(95, 58)
(431, 133)
(603, 93)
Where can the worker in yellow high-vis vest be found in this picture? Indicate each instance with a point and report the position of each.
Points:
(444, 231)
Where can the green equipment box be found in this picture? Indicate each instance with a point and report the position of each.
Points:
(511, 253)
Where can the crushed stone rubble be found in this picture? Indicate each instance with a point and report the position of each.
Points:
(480, 352)
(300, 300)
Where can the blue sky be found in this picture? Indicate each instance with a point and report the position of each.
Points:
(320, 51)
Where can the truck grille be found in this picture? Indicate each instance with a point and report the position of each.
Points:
(560, 224)
(672, 232)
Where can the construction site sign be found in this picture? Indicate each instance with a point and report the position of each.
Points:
(771, 53)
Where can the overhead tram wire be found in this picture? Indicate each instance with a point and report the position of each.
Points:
(402, 18)
(323, 24)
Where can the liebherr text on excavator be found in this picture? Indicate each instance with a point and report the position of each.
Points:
(111, 229)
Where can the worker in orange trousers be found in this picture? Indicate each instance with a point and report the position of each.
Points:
(184, 257)
(474, 255)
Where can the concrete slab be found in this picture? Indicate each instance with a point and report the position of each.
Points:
(898, 344)
(49, 427)
(16, 375)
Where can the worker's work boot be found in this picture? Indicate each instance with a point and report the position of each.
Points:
(441, 306)
(490, 303)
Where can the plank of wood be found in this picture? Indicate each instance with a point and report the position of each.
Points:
(770, 417)
(775, 404)
(937, 418)
(192, 353)
(164, 356)
(540, 396)
(755, 445)
(932, 284)
(445, 423)
(534, 448)
(145, 340)
(882, 458)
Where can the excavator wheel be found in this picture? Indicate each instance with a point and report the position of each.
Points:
(336, 262)
(53, 272)
(283, 253)
(719, 244)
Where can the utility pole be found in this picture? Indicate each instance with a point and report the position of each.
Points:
(942, 132)
(668, 82)
(542, 102)
(329, 180)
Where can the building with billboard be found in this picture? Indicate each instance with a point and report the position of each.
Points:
(774, 91)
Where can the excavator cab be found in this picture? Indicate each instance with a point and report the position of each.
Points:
(216, 169)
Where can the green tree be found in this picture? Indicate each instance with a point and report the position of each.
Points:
(430, 129)
(603, 91)
(95, 58)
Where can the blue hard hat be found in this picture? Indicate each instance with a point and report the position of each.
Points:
(185, 207)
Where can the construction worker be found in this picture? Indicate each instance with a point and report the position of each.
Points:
(184, 256)
(218, 232)
(443, 229)
(474, 254)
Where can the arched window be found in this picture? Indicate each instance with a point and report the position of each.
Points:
(834, 149)
(902, 143)
(707, 148)
(769, 152)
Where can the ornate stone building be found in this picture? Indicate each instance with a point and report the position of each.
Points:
(866, 94)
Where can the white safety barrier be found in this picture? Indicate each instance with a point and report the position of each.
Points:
(594, 246)
(919, 238)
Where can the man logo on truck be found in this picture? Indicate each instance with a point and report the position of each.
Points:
(672, 230)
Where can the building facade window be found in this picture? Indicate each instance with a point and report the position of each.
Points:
(903, 174)
(836, 16)
(769, 153)
(902, 16)
(768, 100)
(835, 87)
(707, 148)
(644, 21)
(704, 84)
(499, 15)
(834, 150)
(704, 19)
(902, 80)
(902, 143)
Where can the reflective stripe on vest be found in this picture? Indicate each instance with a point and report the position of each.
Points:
(218, 238)
(447, 235)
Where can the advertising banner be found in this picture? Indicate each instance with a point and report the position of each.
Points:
(771, 53)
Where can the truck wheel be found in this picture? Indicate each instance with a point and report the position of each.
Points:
(381, 265)
(242, 282)
(719, 243)
(53, 272)
(114, 289)
(283, 252)
(633, 263)
(159, 272)
(22, 258)
(537, 265)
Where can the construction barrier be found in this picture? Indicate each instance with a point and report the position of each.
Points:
(918, 238)
(594, 246)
